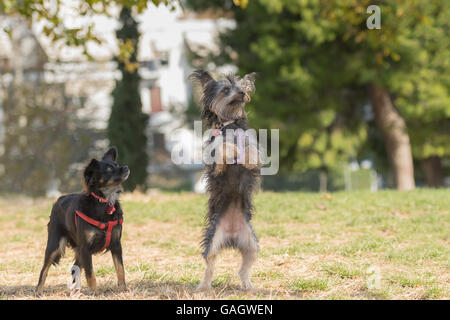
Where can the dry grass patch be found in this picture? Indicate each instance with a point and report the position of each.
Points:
(311, 247)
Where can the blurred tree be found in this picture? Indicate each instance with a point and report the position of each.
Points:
(44, 143)
(44, 138)
(49, 12)
(411, 72)
(127, 123)
(320, 124)
(423, 90)
(317, 57)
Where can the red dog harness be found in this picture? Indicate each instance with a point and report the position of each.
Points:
(101, 225)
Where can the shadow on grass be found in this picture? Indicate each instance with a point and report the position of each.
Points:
(27, 291)
(137, 289)
(370, 295)
(171, 289)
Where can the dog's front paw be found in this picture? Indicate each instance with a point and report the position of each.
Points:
(74, 282)
(225, 155)
(252, 158)
(92, 284)
(219, 169)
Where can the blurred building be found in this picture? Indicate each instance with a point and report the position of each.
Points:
(166, 39)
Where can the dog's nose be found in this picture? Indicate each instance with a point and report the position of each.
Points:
(125, 168)
(242, 93)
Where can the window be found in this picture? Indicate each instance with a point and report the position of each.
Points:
(155, 99)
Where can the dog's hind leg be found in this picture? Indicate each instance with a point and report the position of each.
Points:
(248, 246)
(213, 250)
(207, 278)
(55, 249)
(248, 258)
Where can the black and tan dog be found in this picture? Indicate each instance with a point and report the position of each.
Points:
(231, 184)
(89, 222)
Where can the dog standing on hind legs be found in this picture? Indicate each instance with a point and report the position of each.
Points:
(230, 183)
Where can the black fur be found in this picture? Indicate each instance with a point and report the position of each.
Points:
(102, 178)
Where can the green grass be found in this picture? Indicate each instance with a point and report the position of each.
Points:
(311, 247)
(341, 270)
(309, 285)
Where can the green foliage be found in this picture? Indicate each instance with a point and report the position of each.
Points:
(316, 59)
(127, 123)
(299, 89)
(49, 12)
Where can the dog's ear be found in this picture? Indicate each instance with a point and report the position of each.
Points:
(111, 154)
(201, 76)
(248, 82)
(89, 171)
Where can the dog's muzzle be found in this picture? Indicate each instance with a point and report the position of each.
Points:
(125, 173)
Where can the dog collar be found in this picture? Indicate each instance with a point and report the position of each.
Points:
(219, 126)
(111, 207)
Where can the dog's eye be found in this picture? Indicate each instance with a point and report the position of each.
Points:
(226, 90)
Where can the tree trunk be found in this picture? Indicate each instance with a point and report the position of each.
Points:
(395, 136)
(432, 168)
(323, 180)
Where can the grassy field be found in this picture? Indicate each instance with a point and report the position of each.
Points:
(313, 246)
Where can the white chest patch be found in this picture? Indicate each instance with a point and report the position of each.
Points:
(90, 235)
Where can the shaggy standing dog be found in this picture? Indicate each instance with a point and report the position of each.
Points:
(231, 183)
